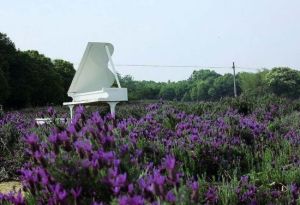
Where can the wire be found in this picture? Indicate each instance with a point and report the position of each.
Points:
(132, 66)
(168, 66)
(184, 66)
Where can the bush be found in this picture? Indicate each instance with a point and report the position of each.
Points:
(86, 164)
(168, 156)
(13, 126)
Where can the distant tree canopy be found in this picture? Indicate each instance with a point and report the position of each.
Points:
(209, 85)
(28, 78)
(284, 82)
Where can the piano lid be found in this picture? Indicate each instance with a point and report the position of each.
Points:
(93, 73)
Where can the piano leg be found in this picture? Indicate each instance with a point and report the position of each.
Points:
(71, 110)
(112, 106)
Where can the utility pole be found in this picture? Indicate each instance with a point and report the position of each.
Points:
(234, 84)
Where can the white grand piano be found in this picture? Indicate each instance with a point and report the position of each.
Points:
(93, 79)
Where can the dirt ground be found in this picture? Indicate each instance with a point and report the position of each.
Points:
(6, 187)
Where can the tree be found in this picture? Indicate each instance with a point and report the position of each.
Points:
(167, 91)
(222, 87)
(29, 78)
(20, 83)
(205, 75)
(7, 56)
(200, 89)
(66, 72)
(253, 83)
(128, 82)
(181, 90)
(201, 81)
(248, 81)
(284, 81)
(4, 88)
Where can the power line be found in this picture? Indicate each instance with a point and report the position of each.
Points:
(133, 66)
(167, 66)
(184, 66)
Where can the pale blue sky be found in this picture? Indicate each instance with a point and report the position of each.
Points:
(253, 33)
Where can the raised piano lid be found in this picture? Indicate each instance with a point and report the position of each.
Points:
(93, 73)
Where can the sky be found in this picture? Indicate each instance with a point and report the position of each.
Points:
(254, 34)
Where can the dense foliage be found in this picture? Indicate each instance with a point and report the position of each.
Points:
(13, 127)
(28, 78)
(235, 151)
(206, 85)
(31, 79)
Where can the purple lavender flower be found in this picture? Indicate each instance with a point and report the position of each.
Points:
(195, 190)
(127, 200)
(59, 193)
(130, 188)
(295, 191)
(53, 138)
(31, 139)
(158, 178)
(275, 194)
(211, 195)
(76, 192)
(63, 136)
(170, 162)
(170, 197)
(83, 145)
(51, 111)
(194, 186)
(96, 203)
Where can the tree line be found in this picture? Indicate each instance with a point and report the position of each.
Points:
(29, 79)
(206, 84)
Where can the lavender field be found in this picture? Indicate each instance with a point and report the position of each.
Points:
(234, 151)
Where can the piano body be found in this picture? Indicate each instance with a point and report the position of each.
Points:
(93, 79)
